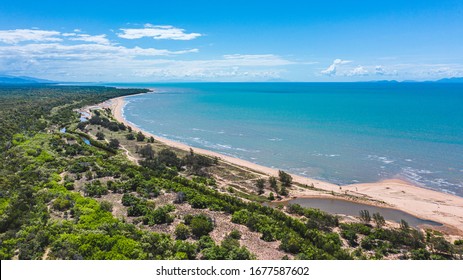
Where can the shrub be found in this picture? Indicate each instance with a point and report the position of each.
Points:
(228, 250)
(365, 216)
(198, 202)
(147, 152)
(357, 228)
(100, 135)
(82, 125)
(195, 163)
(113, 126)
(159, 216)
(268, 234)
(201, 225)
(206, 242)
(114, 143)
(106, 206)
(95, 189)
(273, 183)
(187, 218)
(129, 199)
(271, 196)
(235, 234)
(182, 231)
(420, 254)
(260, 185)
(285, 179)
(291, 244)
(350, 236)
(136, 210)
(140, 136)
(61, 204)
(404, 225)
(169, 158)
(69, 186)
(295, 208)
(240, 217)
(379, 220)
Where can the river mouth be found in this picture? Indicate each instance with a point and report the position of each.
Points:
(343, 207)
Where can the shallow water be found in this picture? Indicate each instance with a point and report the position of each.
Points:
(86, 141)
(337, 206)
(338, 132)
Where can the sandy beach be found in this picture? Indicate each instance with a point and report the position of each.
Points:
(420, 202)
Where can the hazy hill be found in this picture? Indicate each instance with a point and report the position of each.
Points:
(6, 79)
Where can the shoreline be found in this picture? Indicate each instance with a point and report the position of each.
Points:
(397, 194)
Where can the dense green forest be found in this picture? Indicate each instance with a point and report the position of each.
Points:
(54, 185)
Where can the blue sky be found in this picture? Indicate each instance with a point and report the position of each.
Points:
(150, 41)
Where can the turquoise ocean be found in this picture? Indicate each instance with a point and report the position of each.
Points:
(339, 132)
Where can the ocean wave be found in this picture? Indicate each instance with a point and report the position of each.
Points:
(215, 146)
(412, 170)
(414, 174)
(246, 150)
(228, 147)
(275, 139)
(152, 121)
(137, 99)
(325, 155)
(208, 131)
(421, 176)
(448, 191)
(382, 159)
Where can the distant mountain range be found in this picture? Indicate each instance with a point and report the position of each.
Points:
(446, 80)
(451, 80)
(6, 79)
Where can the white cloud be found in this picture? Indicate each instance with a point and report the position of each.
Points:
(84, 57)
(69, 34)
(81, 51)
(234, 67)
(435, 71)
(379, 70)
(157, 32)
(255, 59)
(249, 56)
(343, 68)
(96, 62)
(19, 35)
(331, 70)
(174, 71)
(358, 71)
(99, 39)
